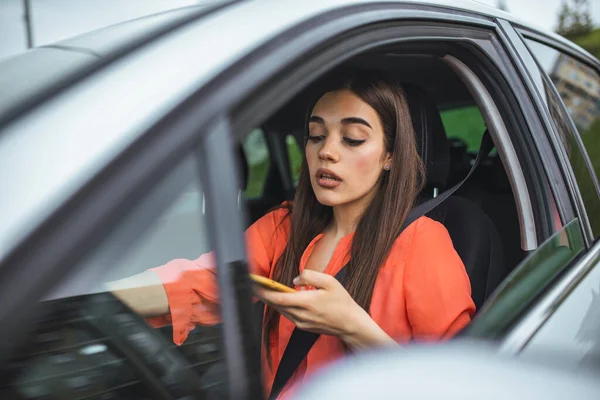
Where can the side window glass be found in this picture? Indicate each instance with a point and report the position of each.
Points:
(465, 124)
(573, 329)
(531, 278)
(295, 157)
(256, 151)
(579, 89)
(464, 128)
(86, 343)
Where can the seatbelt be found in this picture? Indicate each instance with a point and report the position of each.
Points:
(302, 341)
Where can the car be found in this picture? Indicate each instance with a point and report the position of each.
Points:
(166, 136)
(456, 370)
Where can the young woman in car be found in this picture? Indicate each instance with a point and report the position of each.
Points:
(359, 180)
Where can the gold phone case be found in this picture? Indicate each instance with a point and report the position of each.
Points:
(271, 284)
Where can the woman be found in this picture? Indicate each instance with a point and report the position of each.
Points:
(359, 179)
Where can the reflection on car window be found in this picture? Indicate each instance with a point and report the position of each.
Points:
(578, 86)
(527, 281)
(573, 330)
(257, 157)
(88, 344)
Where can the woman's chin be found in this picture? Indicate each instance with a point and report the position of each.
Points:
(329, 199)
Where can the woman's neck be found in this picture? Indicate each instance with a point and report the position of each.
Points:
(345, 217)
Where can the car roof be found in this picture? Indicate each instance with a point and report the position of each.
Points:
(30, 74)
(27, 75)
(88, 138)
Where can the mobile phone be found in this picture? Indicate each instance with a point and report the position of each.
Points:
(270, 284)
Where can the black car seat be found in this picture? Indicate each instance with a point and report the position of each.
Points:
(473, 234)
(242, 166)
(491, 190)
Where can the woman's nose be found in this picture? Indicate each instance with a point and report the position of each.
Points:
(328, 151)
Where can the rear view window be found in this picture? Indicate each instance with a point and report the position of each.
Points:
(465, 124)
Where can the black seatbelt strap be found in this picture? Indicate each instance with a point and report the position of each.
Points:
(484, 149)
(302, 341)
(298, 347)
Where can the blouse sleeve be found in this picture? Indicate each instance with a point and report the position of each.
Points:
(191, 285)
(437, 287)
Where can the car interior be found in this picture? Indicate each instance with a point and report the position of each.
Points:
(481, 216)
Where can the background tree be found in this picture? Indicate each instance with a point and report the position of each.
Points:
(574, 18)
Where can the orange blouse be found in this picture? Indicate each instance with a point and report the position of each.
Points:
(422, 291)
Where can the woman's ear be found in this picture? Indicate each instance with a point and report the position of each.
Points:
(387, 162)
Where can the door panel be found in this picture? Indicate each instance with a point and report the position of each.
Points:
(573, 330)
(535, 275)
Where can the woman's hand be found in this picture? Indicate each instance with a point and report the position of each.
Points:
(327, 309)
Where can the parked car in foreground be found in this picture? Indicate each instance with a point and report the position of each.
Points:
(165, 136)
(455, 371)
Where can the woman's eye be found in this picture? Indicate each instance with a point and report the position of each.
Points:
(315, 138)
(353, 142)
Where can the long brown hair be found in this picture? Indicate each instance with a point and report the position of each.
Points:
(380, 223)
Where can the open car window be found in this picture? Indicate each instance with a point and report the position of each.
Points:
(87, 344)
(464, 124)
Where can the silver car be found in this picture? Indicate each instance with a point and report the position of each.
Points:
(165, 136)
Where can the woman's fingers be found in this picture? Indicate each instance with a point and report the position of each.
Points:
(298, 299)
(272, 297)
(316, 279)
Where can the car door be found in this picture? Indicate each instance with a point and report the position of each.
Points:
(524, 313)
(566, 321)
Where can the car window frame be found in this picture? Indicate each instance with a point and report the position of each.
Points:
(241, 127)
(524, 330)
(573, 131)
(565, 192)
(246, 117)
(528, 67)
(257, 115)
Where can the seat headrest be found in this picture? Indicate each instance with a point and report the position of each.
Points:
(432, 142)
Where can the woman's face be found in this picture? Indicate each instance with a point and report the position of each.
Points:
(345, 149)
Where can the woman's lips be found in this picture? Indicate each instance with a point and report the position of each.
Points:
(327, 178)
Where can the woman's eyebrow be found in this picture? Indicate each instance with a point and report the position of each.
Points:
(345, 121)
(355, 120)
